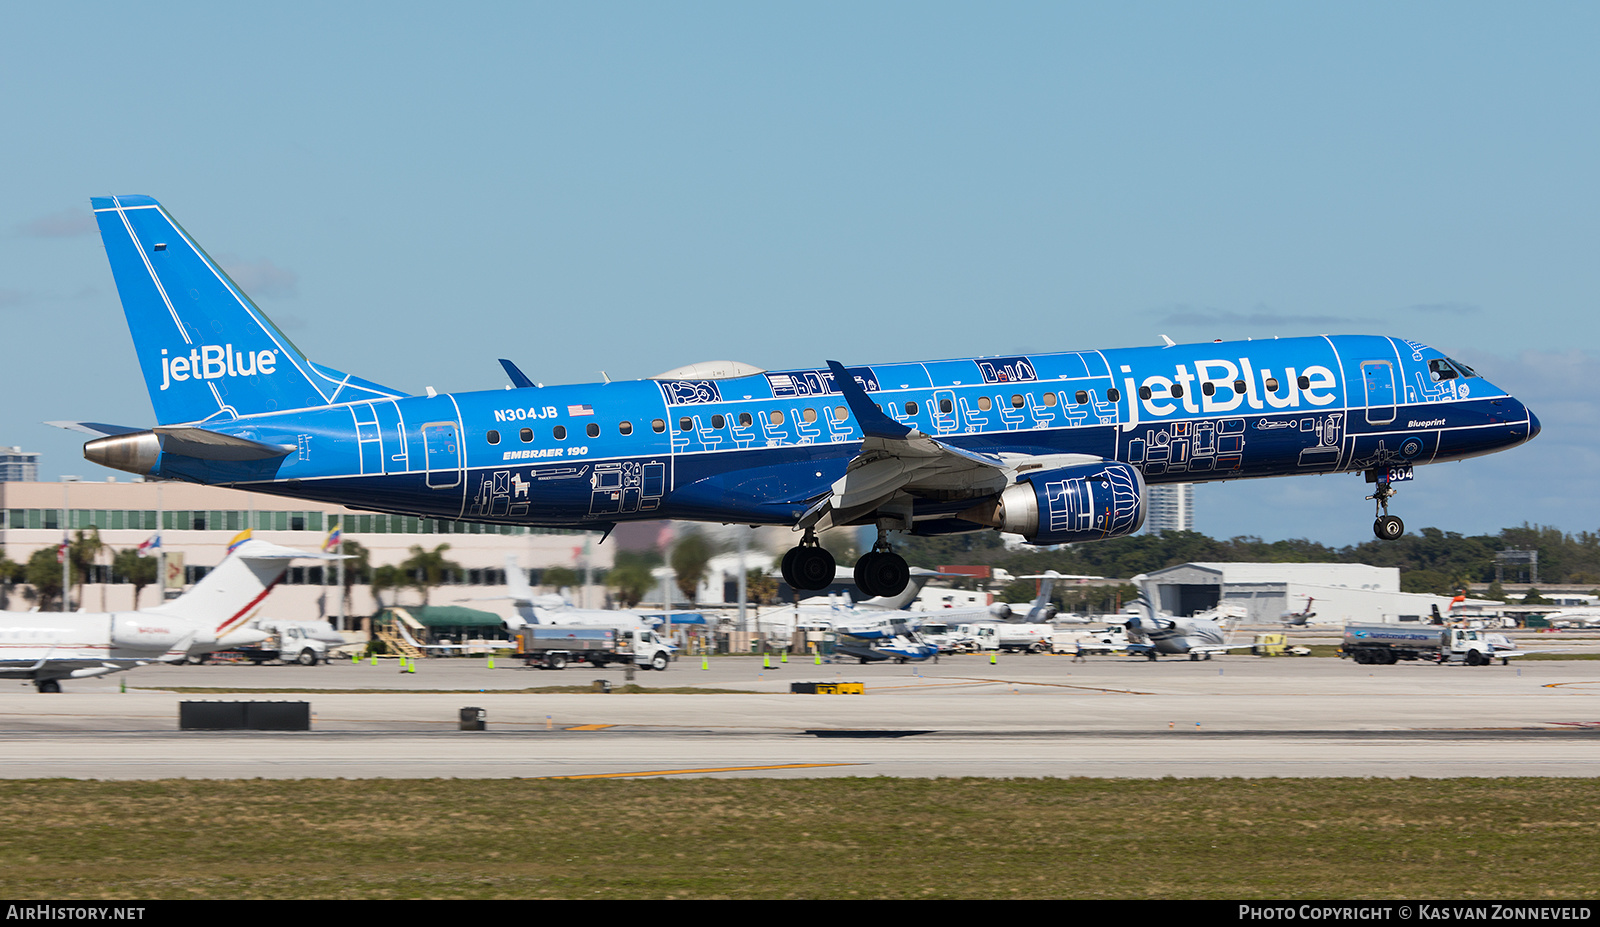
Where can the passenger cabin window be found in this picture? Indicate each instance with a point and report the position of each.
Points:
(1238, 387)
(911, 408)
(1050, 400)
(745, 421)
(984, 404)
(1016, 401)
(776, 417)
(624, 428)
(1144, 392)
(684, 424)
(1209, 388)
(1114, 394)
(593, 430)
(944, 407)
(1177, 391)
(494, 437)
(1272, 384)
(1303, 381)
(658, 426)
(810, 415)
(526, 435)
(840, 413)
(560, 432)
(718, 421)
(1080, 397)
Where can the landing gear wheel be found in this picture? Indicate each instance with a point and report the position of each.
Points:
(47, 685)
(787, 567)
(1389, 527)
(813, 568)
(882, 573)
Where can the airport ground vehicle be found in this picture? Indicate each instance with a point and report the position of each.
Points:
(1103, 640)
(1386, 643)
(289, 644)
(554, 646)
(1009, 637)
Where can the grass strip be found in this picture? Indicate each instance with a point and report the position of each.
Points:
(1523, 838)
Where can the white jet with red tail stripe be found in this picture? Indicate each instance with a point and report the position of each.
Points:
(48, 647)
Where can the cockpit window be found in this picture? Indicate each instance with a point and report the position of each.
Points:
(1441, 369)
(1465, 370)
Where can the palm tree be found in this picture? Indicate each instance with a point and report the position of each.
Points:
(691, 555)
(358, 569)
(84, 551)
(425, 569)
(136, 569)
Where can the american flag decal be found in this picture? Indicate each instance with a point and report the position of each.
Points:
(584, 409)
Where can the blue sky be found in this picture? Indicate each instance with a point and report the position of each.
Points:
(413, 190)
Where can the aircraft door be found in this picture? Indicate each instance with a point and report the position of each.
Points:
(392, 436)
(1378, 378)
(441, 443)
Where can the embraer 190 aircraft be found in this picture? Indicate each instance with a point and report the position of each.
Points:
(1057, 448)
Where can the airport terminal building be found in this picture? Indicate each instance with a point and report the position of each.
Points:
(1341, 592)
(196, 523)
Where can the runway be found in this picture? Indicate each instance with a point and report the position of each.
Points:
(1024, 716)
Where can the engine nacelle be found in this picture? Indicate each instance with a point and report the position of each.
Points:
(1087, 502)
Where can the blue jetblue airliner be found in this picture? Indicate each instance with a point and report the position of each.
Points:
(1057, 448)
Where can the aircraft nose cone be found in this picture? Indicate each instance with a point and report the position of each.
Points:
(1533, 425)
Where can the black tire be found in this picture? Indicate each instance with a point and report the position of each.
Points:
(659, 662)
(555, 662)
(1475, 658)
(307, 657)
(813, 569)
(47, 685)
(884, 574)
(1389, 528)
(865, 577)
(787, 567)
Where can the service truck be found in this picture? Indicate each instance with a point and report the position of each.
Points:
(553, 646)
(1389, 643)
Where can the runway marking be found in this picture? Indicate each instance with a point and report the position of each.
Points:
(1557, 685)
(589, 727)
(681, 772)
(1060, 685)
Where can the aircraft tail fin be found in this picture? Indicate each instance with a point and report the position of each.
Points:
(207, 352)
(919, 579)
(230, 595)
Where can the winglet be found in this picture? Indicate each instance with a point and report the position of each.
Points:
(873, 422)
(518, 378)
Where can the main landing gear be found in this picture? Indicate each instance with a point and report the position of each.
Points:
(1387, 527)
(881, 571)
(808, 566)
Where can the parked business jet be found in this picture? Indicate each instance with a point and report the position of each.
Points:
(1057, 448)
(1198, 636)
(48, 647)
(554, 608)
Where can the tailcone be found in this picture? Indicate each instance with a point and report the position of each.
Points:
(135, 453)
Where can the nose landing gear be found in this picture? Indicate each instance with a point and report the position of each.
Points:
(1387, 527)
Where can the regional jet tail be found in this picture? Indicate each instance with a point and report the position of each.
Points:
(47, 647)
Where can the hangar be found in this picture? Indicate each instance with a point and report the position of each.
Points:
(1341, 592)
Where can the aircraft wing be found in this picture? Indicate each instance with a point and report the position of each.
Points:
(895, 458)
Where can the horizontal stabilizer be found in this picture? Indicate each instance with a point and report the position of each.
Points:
(96, 428)
(211, 445)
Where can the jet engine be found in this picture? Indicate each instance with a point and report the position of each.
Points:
(1086, 502)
